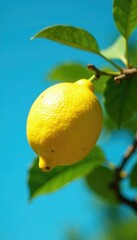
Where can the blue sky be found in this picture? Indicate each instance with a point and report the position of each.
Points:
(23, 69)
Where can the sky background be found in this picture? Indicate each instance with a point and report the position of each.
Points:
(24, 65)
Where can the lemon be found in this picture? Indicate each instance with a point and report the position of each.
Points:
(64, 123)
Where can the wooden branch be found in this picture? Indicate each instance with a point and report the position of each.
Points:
(99, 73)
(117, 179)
(118, 76)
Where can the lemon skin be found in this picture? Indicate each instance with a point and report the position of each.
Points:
(64, 123)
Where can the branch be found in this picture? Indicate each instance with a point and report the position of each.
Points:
(117, 179)
(118, 76)
(99, 73)
(126, 73)
(130, 151)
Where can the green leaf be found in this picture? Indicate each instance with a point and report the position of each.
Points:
(69, 72)
(133, 176)
(71, 36)
(131, 125)
(44, 183)
(108, 124)
(120, 100)
(116, 50)
(119, 229)
(133, 54)
(125, 16)
(100, 180)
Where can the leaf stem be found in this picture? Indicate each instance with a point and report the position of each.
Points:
(123, 59)
(111, 62)
(127, 53)
(117, 179)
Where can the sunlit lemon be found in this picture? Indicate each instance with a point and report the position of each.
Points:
(64, 123)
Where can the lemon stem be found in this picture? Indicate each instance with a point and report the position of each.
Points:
(92, 78)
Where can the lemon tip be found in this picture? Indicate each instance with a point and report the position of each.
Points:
(86, 83)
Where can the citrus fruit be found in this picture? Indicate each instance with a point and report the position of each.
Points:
(64, 123)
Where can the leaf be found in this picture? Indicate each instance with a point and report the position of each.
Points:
(71, 36)
(69, 72)
(108, 124)
(116, 50)
(120, 100)
(125, 16)
(132, 124)
(100, 180)
(133, 54)
(119, 228)
(44, 183)
(133, 176)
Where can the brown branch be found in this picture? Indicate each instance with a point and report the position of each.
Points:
(117, 179)
(126, 73)
(116, 185)
(99, 73)
(118, 76)
(130, 151)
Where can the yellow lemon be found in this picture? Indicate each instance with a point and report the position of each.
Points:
(64, 123)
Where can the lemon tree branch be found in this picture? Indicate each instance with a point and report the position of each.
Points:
(117, 179)
(99, 73)
(118, 76)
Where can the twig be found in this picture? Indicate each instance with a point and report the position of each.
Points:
(117, 179)
(99, 73)
(118, 76)
(126, 73)
(130, 151)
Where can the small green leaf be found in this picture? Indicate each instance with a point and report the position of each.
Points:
(100, 181)
(69, 72)
(120, 100)
(133, 176)
(44, 183)
(125, 16)
(116, 50)
(71, 36)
